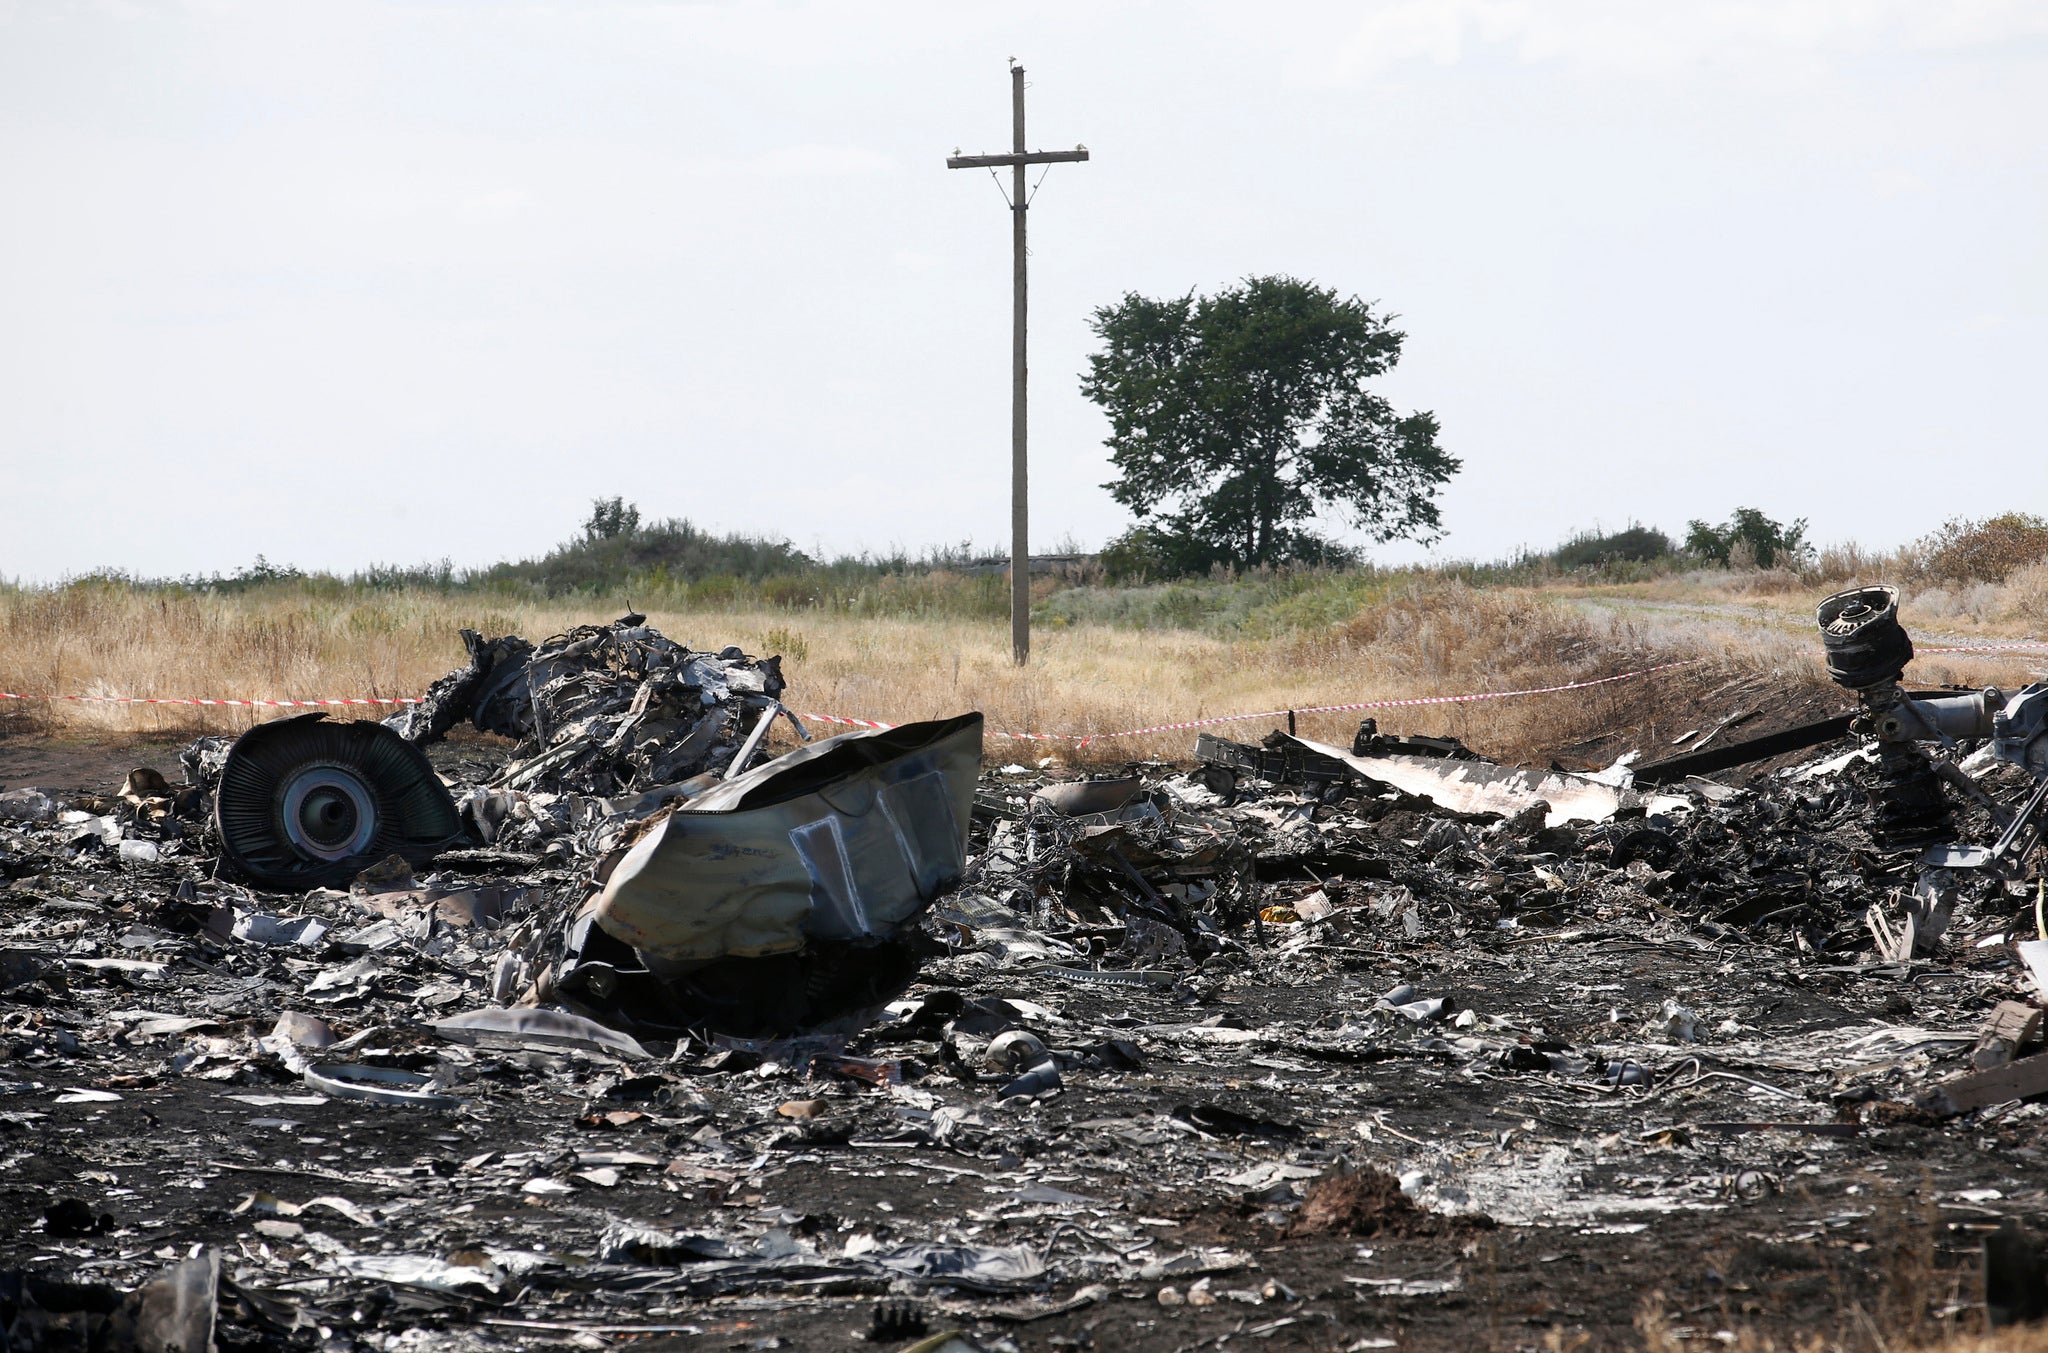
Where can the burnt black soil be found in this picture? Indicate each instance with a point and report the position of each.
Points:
(1249, 1155)
(177, 1163)
(28, 760)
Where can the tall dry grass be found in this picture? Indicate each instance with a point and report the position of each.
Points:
(1425, 639)
(1423, 636)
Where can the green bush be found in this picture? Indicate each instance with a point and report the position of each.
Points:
(615, 547)
(1150, 553)
(1638, 544)
(1749, 538)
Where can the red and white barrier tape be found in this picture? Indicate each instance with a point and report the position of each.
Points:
(1083, 739)
(850, 723)
(1080, 739)
(1021, 737)
(1395, 704)
(261, 704)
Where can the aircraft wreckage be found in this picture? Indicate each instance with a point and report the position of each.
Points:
(1168, 1038)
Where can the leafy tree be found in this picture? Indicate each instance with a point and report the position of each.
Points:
(1235, 418)
(1748, 536)
(611, 518)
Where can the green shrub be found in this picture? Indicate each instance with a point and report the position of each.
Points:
(1749, 538)
(1637, 544)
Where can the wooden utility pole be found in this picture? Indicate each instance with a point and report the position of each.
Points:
(1020, 479)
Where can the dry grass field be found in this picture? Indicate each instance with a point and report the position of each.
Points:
(1415, 635)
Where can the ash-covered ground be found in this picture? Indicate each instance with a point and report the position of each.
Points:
(1432, 1081)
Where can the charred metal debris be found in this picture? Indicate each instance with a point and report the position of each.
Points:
(613, 1030)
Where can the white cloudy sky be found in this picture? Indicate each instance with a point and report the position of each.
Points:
(351, 282)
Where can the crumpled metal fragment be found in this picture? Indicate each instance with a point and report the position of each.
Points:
(605, 710)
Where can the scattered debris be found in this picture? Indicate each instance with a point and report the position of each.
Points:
(602, 710)
(859, 1043)
(1471, 786)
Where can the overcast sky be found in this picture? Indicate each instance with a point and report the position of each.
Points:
(355, 282)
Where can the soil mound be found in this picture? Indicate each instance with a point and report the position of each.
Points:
(1364, 1202)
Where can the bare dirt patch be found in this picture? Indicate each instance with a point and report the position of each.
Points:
(1361, 1202)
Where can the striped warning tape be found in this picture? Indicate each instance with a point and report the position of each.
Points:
(247, 704)
(1396, 704)
(1021, 737)
(1081, 739)
(2030, 646)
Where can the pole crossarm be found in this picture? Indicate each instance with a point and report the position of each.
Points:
(1027, 157)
